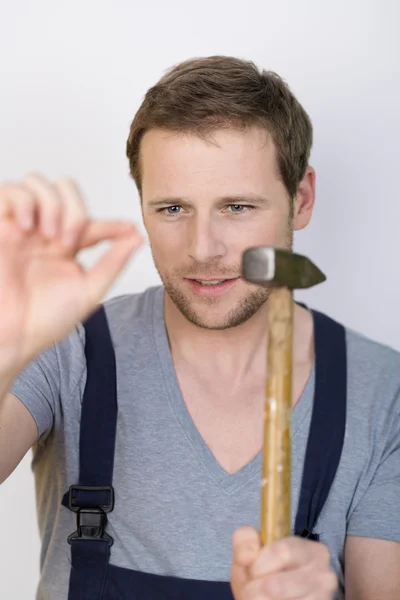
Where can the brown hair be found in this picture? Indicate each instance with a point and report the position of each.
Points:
(204, 94)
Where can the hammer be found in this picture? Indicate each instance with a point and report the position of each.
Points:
(282, 271)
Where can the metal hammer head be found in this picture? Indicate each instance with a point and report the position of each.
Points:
(273, 267)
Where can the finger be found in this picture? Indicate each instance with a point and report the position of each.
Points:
(18, 202)
(306, 582)
(288, 553)
(74, 212)
(100, 231)
(245, 547)
(5, 204)
(299, 583)
(93, 233)
(47, 202)
(100, 277)
(255, 590)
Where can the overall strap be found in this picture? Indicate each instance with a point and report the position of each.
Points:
(93, 497)
(328, 423)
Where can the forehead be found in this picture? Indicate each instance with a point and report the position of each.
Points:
(225, 158)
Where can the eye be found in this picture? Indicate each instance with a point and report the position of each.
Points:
(170, 210)
(239, 208)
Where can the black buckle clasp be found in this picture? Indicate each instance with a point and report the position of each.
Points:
(91, 514)
(90, 524)
(309, 535)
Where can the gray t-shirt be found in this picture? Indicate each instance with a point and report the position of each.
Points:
(176, 508)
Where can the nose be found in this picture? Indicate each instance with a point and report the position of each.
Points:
(206, 239)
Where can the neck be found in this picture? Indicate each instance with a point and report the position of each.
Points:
(231, 354)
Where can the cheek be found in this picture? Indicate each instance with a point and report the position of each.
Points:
(166, 242)
(268, 230)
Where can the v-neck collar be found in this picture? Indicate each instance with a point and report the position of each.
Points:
(228, 482)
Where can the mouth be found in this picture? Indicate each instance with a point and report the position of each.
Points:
(211, 287)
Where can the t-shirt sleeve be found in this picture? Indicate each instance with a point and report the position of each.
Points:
(377, 513)
(38, 388)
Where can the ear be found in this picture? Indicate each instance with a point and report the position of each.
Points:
(304, 200)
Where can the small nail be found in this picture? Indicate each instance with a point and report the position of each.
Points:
(251, 546)
(248, 550)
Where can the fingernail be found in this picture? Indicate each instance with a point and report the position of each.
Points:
(247, 552)
(251, 546)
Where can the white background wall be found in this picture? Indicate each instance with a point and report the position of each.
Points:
(73, 73)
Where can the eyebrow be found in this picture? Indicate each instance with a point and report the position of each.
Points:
(253, 199)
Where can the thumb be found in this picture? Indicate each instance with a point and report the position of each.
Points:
(106, 270)
(246, 545)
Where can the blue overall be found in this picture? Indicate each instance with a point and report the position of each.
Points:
(92, 577)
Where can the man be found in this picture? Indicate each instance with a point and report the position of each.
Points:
(219, 152)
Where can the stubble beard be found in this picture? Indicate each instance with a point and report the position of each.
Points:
(244, 310)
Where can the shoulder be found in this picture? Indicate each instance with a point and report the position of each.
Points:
(129, 316)
(373, 404)
(132, 314)
(374, 367)
(373, 382)
(138, 306)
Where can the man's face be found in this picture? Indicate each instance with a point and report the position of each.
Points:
(203, 204)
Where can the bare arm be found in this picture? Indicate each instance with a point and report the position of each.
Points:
(372, 569)
(44, 291)
(18, 433)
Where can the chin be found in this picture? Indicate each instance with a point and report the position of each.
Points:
(219, 313)
(204, 320)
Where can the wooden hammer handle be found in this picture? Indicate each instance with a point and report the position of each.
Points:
(276, 475)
